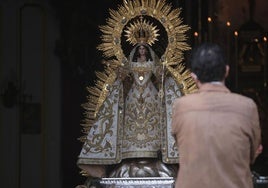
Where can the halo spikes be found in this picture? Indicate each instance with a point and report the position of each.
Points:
(156, 9)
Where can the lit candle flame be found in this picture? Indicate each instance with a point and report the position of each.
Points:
(236, 33)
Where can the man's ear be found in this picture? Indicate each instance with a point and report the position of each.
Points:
(193, 75)
(227, 69)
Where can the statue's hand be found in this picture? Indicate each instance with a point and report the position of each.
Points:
(159, 71)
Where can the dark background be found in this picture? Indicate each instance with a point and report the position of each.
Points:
(77, 60)
(79, 21)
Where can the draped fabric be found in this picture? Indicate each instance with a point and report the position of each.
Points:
(136, 124)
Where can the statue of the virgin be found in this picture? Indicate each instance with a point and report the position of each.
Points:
(127, 121)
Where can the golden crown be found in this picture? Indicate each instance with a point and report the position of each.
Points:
(141, 31)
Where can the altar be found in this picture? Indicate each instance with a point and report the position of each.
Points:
(155, 182)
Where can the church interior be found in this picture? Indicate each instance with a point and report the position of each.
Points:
(48, 56)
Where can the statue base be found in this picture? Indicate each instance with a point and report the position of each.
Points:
(145, 182)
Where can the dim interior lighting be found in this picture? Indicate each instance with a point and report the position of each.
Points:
(236, 33)
(228, 24)
(256, 40)
(209, 19)
(196, 34)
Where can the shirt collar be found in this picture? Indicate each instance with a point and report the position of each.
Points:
(214, 86)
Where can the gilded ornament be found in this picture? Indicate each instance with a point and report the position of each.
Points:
(129, 19)
(124, 20)
(143, 12)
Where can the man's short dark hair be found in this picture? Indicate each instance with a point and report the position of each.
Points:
(208, 62)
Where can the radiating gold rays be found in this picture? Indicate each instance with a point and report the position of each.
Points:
(122, 23)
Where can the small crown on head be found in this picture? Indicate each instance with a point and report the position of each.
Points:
(141, 36)
(141, 31)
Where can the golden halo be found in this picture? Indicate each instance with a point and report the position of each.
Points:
(157, 9)
(111, 47)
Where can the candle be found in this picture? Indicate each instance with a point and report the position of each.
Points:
(199, 28)
(236, 59)
(228, 24)
(265, 61)
(209, 29)
(195, 38)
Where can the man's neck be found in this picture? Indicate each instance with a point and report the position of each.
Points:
(199, 84)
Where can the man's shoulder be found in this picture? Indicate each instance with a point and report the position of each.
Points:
(242, 99)
(186, 99)
(224, 100)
